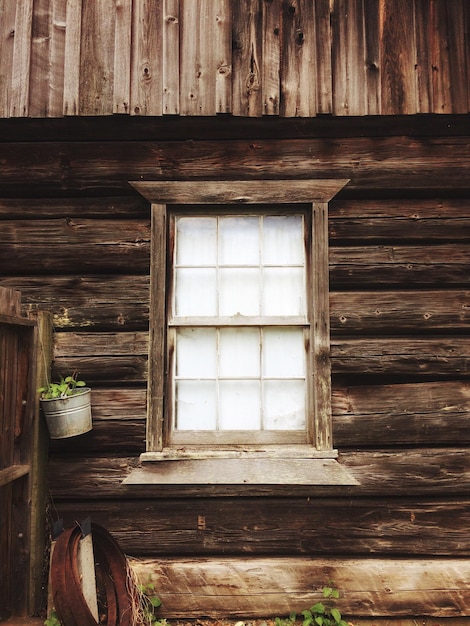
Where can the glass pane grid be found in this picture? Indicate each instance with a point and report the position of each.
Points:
(239, 377)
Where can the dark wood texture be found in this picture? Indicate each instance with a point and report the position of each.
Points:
(17, 425)
(75, 239)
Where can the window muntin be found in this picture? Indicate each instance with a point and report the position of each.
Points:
(239, 326)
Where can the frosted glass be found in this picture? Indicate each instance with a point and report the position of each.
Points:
(239, 352)
(283, 292)
(196, 241)
(239, 291)
(196, 405)
(196, 353)
(283, 353)
(239, 405)
(239, 241)
(283, 241)
(284, 405)
(196, 292)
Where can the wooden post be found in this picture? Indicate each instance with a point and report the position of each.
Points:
(40, 444)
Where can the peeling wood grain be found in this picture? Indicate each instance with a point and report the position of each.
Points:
(374, 587)
(7, 37)
(298, 60)
(122, 56)
(19, 99)
(171, 52)
(247, 58)
(147, 47)
(72, 75)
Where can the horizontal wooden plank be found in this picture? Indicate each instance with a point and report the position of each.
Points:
(384, 267)
(427, 472)
(105, 370)
(76, 230)
(412, 229)
(420, 398)
(261, 587)
(396, 312)
(87, 258)
(406, 356)
(239, 191)
(371, 163)
(109, 302)
(410, 210)
(286, 526)
(80, 208)
(11, 473)
(83, 344)
(223, 127)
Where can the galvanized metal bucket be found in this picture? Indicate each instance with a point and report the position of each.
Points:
(69, 416)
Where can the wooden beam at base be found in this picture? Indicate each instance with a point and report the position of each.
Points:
(269, 587)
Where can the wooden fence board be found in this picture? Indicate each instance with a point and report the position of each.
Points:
(171, 52)
(348, 56)
(147, 46)
(41, 40)
(122, 57)
(398, 53)
(72, 74)
(19, 101)
(175, 57)
(247, 58)
(7, 30)
(298, 60)
(97, 54)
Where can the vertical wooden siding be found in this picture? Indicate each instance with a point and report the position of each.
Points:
(247, 58)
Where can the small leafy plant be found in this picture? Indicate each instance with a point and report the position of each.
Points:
(320, 614)
(150, 603)
(52, 620)
(66, 387)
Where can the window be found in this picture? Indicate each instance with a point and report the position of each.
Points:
(239, 322)
(238, 328)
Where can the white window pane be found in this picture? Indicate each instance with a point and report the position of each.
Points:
(196, 405)
(239, 241)
(196, 353)
(239, 352)
(239, 405)
(239, 292)
(283, 241)
(196, 292)
(283, 353)
(196, 241)
(284, 291)
(284, 405)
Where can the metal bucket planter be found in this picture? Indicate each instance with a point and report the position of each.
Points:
(68, 416)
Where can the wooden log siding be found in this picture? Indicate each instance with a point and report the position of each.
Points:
(74, 239)
(248, 58)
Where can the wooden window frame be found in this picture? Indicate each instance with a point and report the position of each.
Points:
(165, 195)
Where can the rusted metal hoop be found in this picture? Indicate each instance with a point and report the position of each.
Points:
(69, 602)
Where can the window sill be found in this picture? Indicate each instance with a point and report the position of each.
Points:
(241, 470)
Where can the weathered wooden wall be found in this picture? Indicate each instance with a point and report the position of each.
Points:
(292, 58)
(74, 238)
